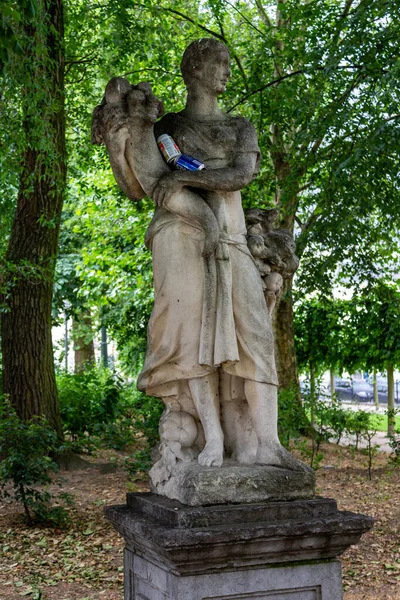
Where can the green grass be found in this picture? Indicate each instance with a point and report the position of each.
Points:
(380, 422)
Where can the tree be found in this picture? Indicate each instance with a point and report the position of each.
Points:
(375, 340)
(319, 81)
(38, 75)
(319, 328)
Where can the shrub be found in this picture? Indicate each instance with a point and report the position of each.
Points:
(146, 413)
(88, 399)
(292, 419)
(394, 443)
(97, 407)
(26, 449)
(358, 424)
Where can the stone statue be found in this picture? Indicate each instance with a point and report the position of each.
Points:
(210, 353)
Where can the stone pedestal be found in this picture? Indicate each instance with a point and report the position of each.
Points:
(194, 485)
(272, 550)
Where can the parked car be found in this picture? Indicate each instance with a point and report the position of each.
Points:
(362, 391)
(343, 390)
(383, 393)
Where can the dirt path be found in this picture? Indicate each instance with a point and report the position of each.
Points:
(84, 562)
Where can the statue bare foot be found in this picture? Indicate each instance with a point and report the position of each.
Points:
(212, 455)
(245, 456)
(276, 455)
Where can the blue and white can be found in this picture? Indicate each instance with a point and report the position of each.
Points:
(174, 157)
(188, 163)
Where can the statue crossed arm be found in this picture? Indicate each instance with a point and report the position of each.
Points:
(210, 345)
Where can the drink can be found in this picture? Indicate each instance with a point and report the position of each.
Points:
(188, 163)
(168, 147)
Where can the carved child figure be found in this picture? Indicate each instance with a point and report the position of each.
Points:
(139, 110)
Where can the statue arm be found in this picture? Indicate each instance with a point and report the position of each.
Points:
(226, 179)
(117, 151)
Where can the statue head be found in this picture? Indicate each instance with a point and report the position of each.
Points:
(205, 64)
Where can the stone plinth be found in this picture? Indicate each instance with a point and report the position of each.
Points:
(195, 485)
(281, 550)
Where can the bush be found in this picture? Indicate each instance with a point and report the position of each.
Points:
(88, 399)
(98, 408)
(358, 424)
(292, 419)
(26, 449)
(146, 413)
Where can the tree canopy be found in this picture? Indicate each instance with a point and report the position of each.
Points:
(319, 80)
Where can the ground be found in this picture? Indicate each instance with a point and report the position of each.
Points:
(84, 562)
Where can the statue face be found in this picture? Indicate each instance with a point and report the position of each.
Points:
(215, 73)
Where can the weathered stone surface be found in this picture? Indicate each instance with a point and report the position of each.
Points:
(210, 353)
(251, 535)
(195, 485)
(280, 550)
(173, 514)
(148, 581)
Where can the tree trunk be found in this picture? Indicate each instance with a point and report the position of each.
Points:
(28, 369)
(332, 378)
(285, 354)
(82, 329)
(391, 407)
(104, 347)
(376, 397)
(313, 389)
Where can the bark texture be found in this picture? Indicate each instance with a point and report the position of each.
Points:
(391, 405)
(285, 354)
(28, 369)
(82, 328)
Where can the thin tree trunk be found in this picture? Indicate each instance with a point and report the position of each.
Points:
(376, 397)
(28, 369)
(285, 354)
(332, 382)
(104, 347)
(82, 328)
(391, 407)
(312, 392)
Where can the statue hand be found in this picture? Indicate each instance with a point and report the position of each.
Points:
(115, 122)
(143, 105)
(167, 185)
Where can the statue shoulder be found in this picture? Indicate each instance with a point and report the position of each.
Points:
(166, 124)
(247, 135)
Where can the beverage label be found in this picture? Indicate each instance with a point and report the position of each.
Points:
(168, 147)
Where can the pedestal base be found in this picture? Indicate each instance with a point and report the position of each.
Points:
(195, 485)
(280, 550)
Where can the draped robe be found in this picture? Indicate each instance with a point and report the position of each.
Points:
(208, 314)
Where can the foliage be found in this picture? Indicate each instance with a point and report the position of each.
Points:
(88, 398)
(319, 329)
(357, 424)
(319, 80)
(394, 443)
(292, 420)
(99, 408)
(146, 412)
(374, 329)
(27, 449)
(324, 104)
(140, 462)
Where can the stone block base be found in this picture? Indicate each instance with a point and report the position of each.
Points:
(146, 580)
(276, 550)
(195, 485)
